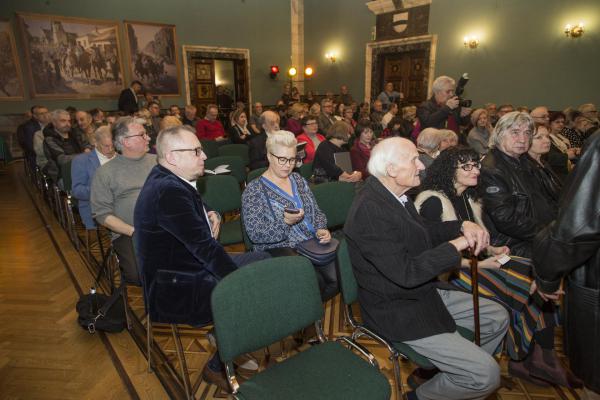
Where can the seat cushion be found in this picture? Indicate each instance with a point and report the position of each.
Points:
(325, 371)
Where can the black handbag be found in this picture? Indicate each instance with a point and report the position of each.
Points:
(317, 253)
(99, 312)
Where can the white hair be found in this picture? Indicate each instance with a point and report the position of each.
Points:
(429, 139)
(385, 153)
(440, 83)
(281, 138)
(509, 121)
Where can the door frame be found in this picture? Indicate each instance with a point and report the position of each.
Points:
(214, 52)
(374, 49)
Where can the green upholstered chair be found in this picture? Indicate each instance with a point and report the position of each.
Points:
(349, 290)
(264, 302)
(334, 199)
(222, 193)
(240, 150)
(255, 173)
(305, 170)
(210, 148)
(236, 166)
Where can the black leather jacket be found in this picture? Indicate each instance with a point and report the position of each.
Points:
(514, 200)
(432, 115)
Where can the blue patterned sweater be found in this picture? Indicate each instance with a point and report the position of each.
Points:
(262, 211)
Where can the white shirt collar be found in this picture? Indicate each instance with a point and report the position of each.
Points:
(403, 199)
(102, 158)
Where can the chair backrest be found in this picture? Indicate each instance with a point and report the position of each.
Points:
(210, 148)
(264, 302)
(221, 192)
(348, 285)
(240, 150)
(306, 170)
(334, 199)
(236, 166)
(255, 173)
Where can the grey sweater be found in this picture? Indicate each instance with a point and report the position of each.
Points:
(116, 186)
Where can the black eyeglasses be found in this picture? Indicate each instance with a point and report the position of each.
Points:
(197, 150)
(141, 134)
(283, 160)
(470, 166)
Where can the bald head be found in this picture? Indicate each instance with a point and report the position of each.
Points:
(391, 150)
(540, 115)
(269, 121)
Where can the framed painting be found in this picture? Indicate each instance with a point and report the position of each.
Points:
(153, 57)
(204, 72)
(205, 91)
(11, 81)
(72, 58)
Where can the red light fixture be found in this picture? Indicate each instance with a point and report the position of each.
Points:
(274, 71)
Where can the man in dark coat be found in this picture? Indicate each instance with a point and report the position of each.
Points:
(570, 246)
(176, 244)
(442, 110)
(396, 257)
(25, 132)
(257, 146)
(128, 102)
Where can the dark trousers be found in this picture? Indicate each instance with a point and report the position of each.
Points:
(123, 246)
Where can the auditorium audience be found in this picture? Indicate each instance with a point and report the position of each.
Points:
(315, 110)
(361, 149)
(175, 111)
(492, 113)
(311, 137)
(479, 135)
(254, 119)
(513, 198)
(428, 147)
(257, 146)
(389, 96)
(176, 237)
(155, 117)
(116, 186)
(348, 116)
(443, 110)
(589, 111)
(209, 127)
(40, 117)
(83, 169)
(540, 115)
(395, 128)
(542, 170)
(392, 112)
(169, 121)
(562, 154)
(502, 110)
(396, 257)
(583, 127)
(344, 97)
(326, 118)
(128, 99)
(61, 145)
(376, 117)
(324, 166)
(189, 116)
(268, 202)
(239, 132)
(296, 113)
(448, 194)
(84, 128)
(98, 117)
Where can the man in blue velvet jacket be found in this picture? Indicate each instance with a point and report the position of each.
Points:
(176, 244)
(83, 169)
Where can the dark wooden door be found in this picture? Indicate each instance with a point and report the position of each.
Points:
(407, 71)
(241, 82)
(203, 86)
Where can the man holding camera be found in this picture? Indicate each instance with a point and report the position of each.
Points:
(444, 109)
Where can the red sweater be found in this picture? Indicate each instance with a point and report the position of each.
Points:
(310, 146)
(209, 130)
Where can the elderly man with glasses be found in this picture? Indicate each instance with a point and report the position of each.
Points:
(116, 186)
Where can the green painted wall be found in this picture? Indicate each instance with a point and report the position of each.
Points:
(344, 25)
(263, 26)
(524, 57)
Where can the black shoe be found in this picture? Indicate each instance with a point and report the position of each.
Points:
(412, 395)
(217, 378)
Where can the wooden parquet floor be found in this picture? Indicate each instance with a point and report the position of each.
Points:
(44, 354)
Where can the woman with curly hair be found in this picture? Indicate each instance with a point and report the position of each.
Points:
(448, 194)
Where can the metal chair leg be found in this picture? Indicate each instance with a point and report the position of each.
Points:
(126, 304)
(149, 340)
(184, 370)
(398, 377)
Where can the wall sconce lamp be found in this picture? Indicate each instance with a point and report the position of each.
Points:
(471, 42)
(574, 31)
(308, 71)
(331, 56)
(292, 71)
(273, 71)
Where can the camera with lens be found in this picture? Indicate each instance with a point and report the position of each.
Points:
(460, 88)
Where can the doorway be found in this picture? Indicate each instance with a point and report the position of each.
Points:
(409, 63)
(217, 75)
